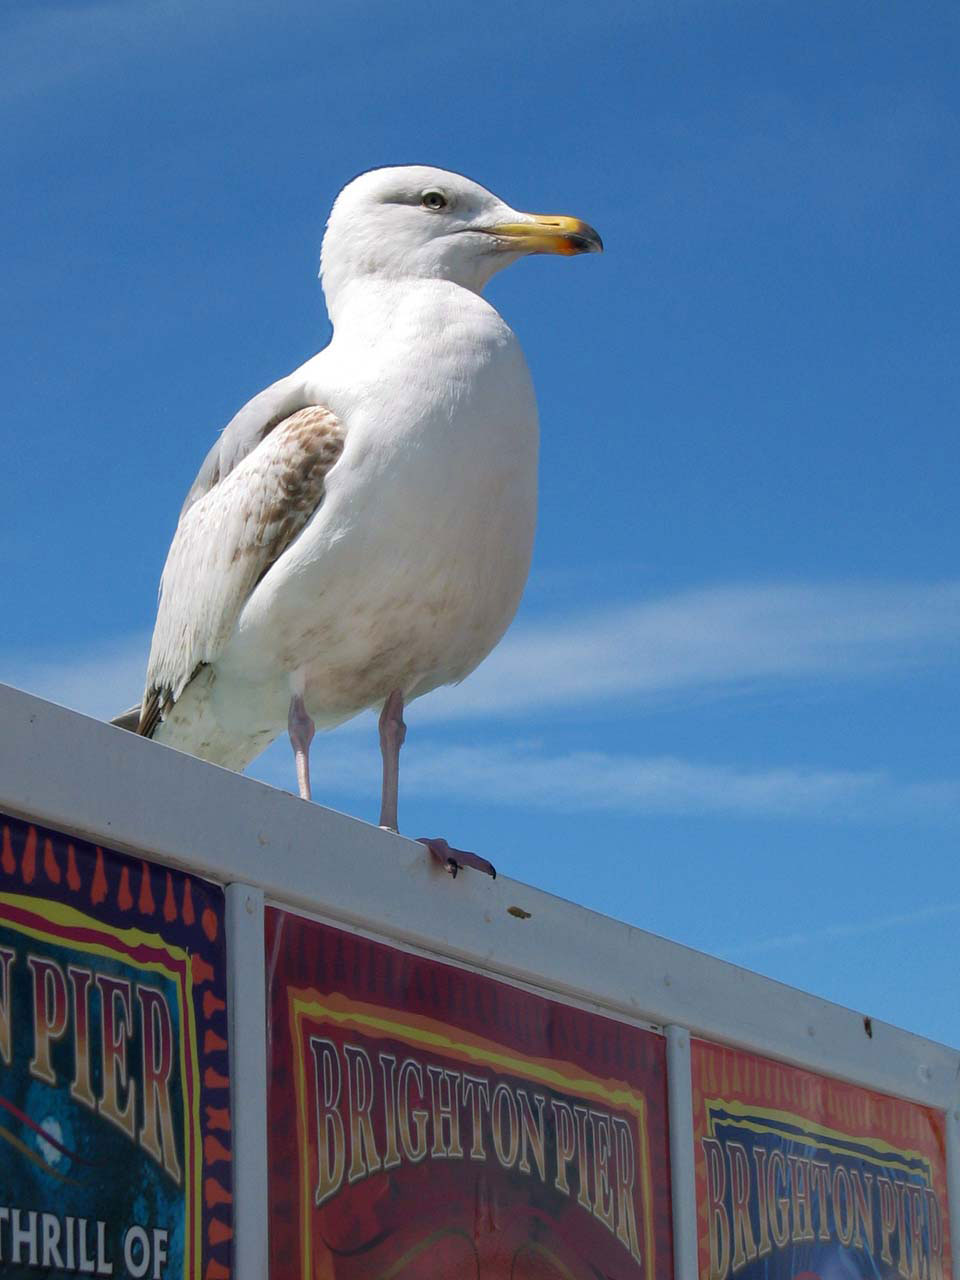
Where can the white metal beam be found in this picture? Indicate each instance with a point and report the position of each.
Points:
(85, 777)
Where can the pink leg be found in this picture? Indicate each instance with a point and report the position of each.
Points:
(301, 729)
(392, 734)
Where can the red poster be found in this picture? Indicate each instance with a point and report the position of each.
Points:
(800, 1175)
(427, 1121)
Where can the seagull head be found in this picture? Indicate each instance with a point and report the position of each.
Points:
(416, 222)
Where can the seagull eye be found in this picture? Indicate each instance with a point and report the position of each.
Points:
(434, 200)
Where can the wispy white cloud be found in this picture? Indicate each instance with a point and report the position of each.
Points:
(98, 680)
(54, 46)
(732, 639)
(852, 929)
(522, 774)
(50, 46)
(726, 637)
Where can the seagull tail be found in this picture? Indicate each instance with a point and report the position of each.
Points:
(128, 719)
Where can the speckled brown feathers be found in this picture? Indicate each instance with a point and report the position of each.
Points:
(313, 443)
(227, 541)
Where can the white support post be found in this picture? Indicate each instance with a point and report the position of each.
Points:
(246, 993)
(683, 1186)
(953, 1185)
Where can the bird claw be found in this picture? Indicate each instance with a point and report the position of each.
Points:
(453, 860)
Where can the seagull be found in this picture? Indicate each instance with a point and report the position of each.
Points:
(361, 531)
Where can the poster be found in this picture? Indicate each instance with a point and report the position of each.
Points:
(807, 1178)
(114, 1079)
(426, 1121)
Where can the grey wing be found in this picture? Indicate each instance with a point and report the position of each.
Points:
(245, 431)
(228, 538)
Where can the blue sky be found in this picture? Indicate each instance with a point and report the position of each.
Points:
(726, 712)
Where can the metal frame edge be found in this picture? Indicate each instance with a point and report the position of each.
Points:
(247, 1014)
(683, 1188)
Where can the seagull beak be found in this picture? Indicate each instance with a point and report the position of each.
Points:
(547, 233)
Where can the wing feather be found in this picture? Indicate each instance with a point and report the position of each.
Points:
(228, 538)
(245, 431)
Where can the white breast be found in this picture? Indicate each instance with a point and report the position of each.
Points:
(414, 565)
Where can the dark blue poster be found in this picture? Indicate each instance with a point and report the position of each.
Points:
(114, 1078)
(804, 1177)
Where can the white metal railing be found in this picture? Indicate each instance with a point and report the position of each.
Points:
(86, 778)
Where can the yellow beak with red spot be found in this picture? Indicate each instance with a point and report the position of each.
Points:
(547, 233)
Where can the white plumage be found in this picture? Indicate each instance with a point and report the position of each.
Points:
(362, 528)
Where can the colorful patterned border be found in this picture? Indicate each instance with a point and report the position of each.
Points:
(160, 920)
